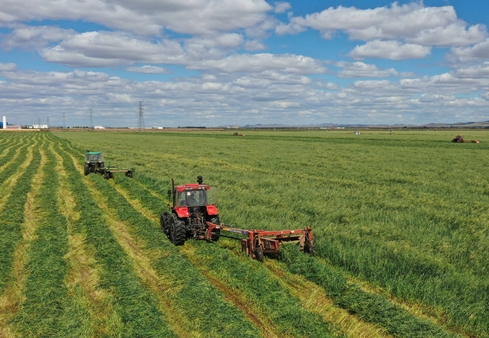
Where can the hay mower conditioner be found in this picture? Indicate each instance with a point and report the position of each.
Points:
(194, 215)
(259, 243)
(94, 163)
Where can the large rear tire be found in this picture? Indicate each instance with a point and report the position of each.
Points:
(178, 234)
(87, 169)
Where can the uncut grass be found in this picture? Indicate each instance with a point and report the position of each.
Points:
(136, 309)
(414, 193)
(395, 320)
(370, 307)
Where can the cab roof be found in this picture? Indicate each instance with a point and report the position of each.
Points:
(191, 186)
(93, 152)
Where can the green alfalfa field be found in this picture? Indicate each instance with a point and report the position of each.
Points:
(401, 221)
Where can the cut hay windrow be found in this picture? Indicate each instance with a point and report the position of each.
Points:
(136, 309)
(13, 202)
(98, 316)
(13, 169)
(13, 148)
(11, 298)
(45, 309)
(212, 314)
(12, 237)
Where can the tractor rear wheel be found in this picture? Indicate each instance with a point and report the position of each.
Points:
(178, 234)
(87, 169)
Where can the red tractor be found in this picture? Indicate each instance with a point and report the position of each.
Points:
(191, 210)
(193, 214)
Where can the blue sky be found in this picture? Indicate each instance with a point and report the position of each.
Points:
(242, 62)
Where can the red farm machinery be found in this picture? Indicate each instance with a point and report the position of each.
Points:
(193, 214)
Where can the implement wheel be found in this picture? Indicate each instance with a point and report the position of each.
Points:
(259, 253)
(177, 232)
(129, 174)
(309, 249)
(216, 234)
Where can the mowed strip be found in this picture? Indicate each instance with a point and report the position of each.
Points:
(14, 169)
(15, 232)
(173, 279)
(239, 300)
(268, 320)
(45, 305)
(136, 309)
(11, 151)
(83, 276)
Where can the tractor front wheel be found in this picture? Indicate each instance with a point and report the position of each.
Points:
(178, 234)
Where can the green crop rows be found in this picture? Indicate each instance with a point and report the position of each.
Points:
(401, 222)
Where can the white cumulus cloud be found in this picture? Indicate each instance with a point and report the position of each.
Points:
(393, 50)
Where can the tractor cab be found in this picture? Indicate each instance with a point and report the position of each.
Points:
(192, 195)
(192, 208)
(94, 157)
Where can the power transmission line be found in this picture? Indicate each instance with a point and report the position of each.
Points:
(141, 126)
(91, 119)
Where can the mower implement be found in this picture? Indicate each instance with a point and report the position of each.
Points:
(259, 243)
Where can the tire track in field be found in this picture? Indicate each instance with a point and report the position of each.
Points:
(261, 321)
(82, 265)
(235, 297)
(12, 297)
(141, 263)
(7, 185)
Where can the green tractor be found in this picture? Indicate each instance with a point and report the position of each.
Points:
(94, 163)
